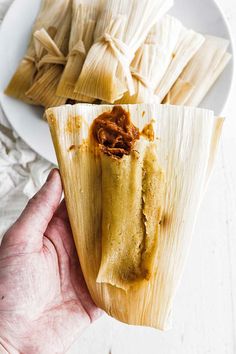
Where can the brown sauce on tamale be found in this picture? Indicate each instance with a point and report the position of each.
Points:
(115, 133)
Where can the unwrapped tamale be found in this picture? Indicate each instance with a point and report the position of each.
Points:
(133, 177)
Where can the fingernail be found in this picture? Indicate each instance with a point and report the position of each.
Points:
(50, 175)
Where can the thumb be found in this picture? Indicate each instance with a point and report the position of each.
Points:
(32, 223)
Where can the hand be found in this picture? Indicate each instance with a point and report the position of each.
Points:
(44, 301)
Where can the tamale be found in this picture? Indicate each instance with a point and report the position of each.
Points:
(84, 15)
(152, 59)
(50, 17)
(51, 64)
(133, 224)
(201, 73)
(121, 28)
(187, 46)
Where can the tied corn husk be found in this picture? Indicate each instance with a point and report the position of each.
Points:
(96, 192)
(120, 30)
(84, 16)
(187, 46)
(201, 73)
(152, 59)
(52, 64)
(50, 17)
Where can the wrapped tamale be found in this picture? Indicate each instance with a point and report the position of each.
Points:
(51, 65)
(84, 16)
(51, 16)
(133, 177)
(201, 73)
(187, 46)
(121, 28)
(154, 57)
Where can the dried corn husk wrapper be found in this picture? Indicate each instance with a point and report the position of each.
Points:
(121, 29)
(84, 16)
(51, 65)
(201, 73)
(187, 46)
(152, 60)
(98, 187)
(50, 17)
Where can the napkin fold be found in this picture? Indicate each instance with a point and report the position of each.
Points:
(22, 173)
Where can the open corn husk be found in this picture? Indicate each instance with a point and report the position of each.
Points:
(50, 17)
(51, 65)
(152, 59)
(187, 46)
(201, 73)
(84, 16)
(98, 187)
(120, 30)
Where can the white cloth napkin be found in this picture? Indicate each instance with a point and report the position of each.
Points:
(22, 171)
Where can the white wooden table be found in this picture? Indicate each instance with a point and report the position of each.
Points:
(205, 306)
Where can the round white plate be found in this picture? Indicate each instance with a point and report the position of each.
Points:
(203, 16)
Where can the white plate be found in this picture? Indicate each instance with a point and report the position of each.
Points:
(202, 15)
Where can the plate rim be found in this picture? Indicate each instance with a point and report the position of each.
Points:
(233, 49)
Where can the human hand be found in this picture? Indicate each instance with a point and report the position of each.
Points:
(44, 301)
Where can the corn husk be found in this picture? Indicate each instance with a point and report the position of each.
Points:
(121, 29)
(214, 147)
(51, 65)
(84, 16)
(186, 148)
(201, 73)
(152, 59)
(50, 17)
(187, 46)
